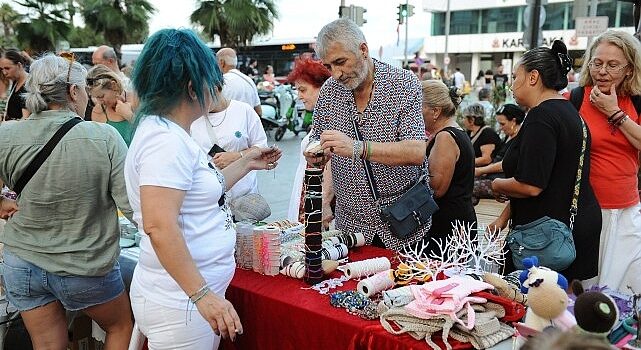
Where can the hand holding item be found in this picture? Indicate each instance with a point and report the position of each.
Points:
(337, 143)
(223, 159)
(263, 158)
(315, 155)
(497, 225)
(606, 104)
(221, 315)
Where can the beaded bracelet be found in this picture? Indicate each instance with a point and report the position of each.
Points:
(358, 149)
(364, 152)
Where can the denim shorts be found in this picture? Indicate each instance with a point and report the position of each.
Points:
(28, 286)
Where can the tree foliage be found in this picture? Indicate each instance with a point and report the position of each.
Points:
(9, 19)
(118, 21)
(235, 22)
(47, 25)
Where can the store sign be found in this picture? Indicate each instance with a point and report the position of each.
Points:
(288, 47)
(518, 42)
(591, 26)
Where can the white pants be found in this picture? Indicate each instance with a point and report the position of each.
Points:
(172, 329)
(620, 249)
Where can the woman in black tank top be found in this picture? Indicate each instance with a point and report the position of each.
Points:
(451, 161)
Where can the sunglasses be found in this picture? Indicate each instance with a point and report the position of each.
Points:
(70, 57)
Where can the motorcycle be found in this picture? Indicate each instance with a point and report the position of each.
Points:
(282, 110)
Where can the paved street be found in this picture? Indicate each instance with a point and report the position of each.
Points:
(276, 185)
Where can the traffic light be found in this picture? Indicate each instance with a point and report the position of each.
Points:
(358, 12)
(402, 13)
(410, 10)
(344, 12)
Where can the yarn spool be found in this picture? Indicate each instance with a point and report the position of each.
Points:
(295, 270)
(313, 225)
(367, 267)
(381, 281)
(334, 252)
(256, 249)
(270, 254)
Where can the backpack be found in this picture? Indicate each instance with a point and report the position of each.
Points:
(576, 97)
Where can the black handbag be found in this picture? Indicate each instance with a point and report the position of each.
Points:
(410, 211)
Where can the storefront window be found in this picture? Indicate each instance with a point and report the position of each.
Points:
(608, 9)
(464, 22)
(627, 14)
(499, 20)
(554, 16)
(438, 23)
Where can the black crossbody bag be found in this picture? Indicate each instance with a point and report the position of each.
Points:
(410, 211)
(43, 154)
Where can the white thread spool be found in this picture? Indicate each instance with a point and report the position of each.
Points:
(295, 270)
(376, 284)
(360, 239)
(271, 237)
(367, 267)
(334, 252)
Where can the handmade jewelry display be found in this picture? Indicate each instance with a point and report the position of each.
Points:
(313, 219)
(381, 281)
(244, 245)
(355, 303)
(366, 267)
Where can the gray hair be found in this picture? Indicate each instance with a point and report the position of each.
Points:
(228, 56)
(47, 82)
(108, 53)
(343, 31)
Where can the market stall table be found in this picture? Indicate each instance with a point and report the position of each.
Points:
(278, 313)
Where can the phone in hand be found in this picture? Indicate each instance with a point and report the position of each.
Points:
(215, 149)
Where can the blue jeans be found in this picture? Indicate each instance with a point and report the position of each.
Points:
(28, 286)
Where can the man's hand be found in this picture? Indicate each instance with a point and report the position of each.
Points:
(338, 143)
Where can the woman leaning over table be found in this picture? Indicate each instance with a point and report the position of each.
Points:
(541, 165)
(61, 246)
(612, 66)
(187, 249)
(451, 161)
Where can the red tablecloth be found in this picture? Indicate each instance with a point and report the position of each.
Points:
(278, 314)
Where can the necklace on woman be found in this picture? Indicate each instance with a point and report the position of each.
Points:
(217, 125)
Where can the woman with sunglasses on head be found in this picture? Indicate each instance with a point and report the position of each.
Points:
(187, 247)
(13, 65)
(610, 106)
(61, 245)
(541, 164)
(113, 103)
(484, 139)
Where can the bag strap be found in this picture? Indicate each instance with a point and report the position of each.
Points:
(210, 131)
(478, 134)
(576, 97)
(574, 207)
(371, 182)
(44, 153)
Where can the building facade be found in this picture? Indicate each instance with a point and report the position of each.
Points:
(486, 33)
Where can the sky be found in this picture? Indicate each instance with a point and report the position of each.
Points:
(304, 18)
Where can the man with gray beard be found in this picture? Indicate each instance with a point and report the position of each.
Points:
(386, 104)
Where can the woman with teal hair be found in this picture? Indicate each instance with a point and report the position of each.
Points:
(186, 252)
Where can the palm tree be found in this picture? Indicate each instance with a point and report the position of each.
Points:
(9, 20)
(47, 26)
(235, 22)
(119, 21)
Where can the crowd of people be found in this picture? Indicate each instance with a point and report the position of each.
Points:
(176, 148)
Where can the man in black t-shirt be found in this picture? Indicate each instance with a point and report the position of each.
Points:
(500, 79)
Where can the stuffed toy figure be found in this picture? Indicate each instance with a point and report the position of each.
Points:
(596, 313)
(547, 300)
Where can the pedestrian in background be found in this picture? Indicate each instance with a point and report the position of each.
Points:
(14, 65)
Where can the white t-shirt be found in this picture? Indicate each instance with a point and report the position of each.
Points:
(163, 154)
(459, 80)
(236, 128)
(297, 186)
(240, 87)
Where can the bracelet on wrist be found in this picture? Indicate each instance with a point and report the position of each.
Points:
(202, 295)
(241, 154)
(622, 120)
(611, 117)
(369, 152)
(615, 120)
(200, 290)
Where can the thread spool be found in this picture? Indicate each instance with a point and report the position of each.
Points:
(244, 245)
(270, 254)
(256, 249)
(381, 281)
(295, 270)
(367, 267)
(334, 252)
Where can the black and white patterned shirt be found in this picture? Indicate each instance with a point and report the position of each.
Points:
(393, 114)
